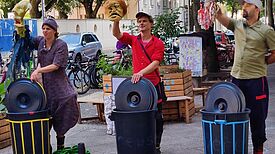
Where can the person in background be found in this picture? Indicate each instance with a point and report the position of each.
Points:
(253, 41)
(61, 96)
(120, 45)
(142, 65)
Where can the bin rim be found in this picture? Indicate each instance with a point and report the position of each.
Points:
(24, 113)
(140, 111)
(227, 117)
(23, 116)
(246, 111)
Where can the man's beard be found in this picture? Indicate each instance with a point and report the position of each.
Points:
(245, 14)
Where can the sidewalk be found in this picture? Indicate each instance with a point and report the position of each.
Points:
(178, 137)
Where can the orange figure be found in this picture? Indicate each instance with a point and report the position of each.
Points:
(115, 9)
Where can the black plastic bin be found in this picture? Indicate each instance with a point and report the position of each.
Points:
(135, 131)
(225, 133)
(30, 132)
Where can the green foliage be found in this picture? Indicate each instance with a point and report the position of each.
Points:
(7, 5)
(133, 28)
(3, 88)
(167, 25)
(66, 6)
(107, 67)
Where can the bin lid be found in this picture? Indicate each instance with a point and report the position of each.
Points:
(24, 95)
(136, 97)
(225, 97)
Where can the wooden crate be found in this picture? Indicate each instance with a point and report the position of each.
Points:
(177, 84)
(177, 110)
(5, 135)
(170, 111)
(107, 84)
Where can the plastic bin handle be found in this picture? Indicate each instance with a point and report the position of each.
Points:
(220, 121)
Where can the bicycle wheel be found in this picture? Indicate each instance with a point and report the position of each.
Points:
(96, 77)
(90, 70)
(80, 80)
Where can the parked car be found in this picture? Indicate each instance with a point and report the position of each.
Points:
(230, 35)
(225, 49)
(82, 45)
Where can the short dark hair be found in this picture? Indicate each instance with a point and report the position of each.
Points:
(142, 14)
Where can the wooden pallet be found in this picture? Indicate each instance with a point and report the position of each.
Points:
(5, 135)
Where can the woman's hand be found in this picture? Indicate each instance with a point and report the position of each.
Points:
(35, 75)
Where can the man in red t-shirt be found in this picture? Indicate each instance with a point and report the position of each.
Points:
(142, 65)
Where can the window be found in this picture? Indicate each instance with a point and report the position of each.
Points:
(77, 29)
(88, 38)
(95, 28)
(165, 3)
(95, 37)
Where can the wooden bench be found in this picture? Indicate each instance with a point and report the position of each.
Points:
(98, 101)
(178, 106)
(202, 92)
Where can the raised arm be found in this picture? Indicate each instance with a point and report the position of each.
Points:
(116, 30)
(222, 18)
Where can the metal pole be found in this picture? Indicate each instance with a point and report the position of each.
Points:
(265, 13)
(43, 10)
(138, 5)
(188, 28)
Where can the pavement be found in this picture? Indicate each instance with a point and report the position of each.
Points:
(178, 137)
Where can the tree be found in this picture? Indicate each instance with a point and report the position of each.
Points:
(232, 6)
(65, 7)
(7, 5)
(167, 25)
(91, 7)
(270, 13)
(194, 22)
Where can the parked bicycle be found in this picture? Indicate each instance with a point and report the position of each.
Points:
(78, 76)
(171, 56)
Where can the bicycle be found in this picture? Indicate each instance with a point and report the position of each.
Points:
(170, 57)
(78, 77)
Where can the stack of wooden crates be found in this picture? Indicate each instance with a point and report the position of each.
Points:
(177, 84)
(5, 135)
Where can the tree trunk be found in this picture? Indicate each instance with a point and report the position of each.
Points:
(34, 12)
(233, 11)
(212, 59)
(62, 15)
(90, 12)
(195, 8)
(269, 6)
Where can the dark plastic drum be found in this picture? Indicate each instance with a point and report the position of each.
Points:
(23, 95)
(225, 97)
(30, 132)
(136, 97)
(135, 131)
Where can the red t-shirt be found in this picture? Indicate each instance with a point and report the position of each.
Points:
(154, 49)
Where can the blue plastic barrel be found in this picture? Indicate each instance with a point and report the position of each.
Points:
(225, 133)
